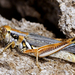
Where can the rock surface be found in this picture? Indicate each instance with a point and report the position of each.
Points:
(67, 20)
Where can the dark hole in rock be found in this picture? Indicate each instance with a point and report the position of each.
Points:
(43, 11)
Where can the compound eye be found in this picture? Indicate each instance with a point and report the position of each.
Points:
(4, 31)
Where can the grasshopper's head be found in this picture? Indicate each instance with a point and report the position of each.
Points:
(3, 31)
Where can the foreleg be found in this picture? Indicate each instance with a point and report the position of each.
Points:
(12, 44)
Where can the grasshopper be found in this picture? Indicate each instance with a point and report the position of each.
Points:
(31, 43)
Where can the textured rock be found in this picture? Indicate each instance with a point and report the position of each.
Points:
(27, 26)
(67, 20)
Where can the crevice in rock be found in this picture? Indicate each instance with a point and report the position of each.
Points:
(45, 12)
